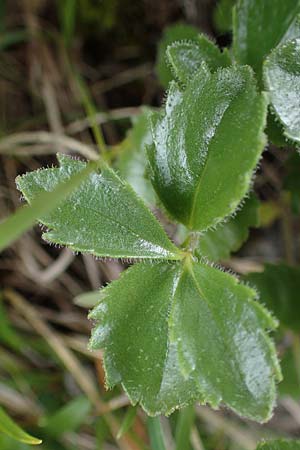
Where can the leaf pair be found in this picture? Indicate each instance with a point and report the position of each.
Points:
(197, 335)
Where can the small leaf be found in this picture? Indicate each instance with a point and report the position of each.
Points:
(10, 428)
(132, 162)
(186, 57)
(103, 216)
(177, 32)
(259, 26)
(282, 80)
(207, 145)
(217, 244)
(279, 445)
(279, 287)
(196, 334)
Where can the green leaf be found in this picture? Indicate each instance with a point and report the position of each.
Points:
(10, 428)
(195, 334)
(186, 57)
(25, 217)
(282, 80)
(259, 26)
(132, 162)
(69, 417)
(279, 287)
(103, 216)
(214, 127)
(222, 15)
(218, 243)
(279, 445)
(177, 32)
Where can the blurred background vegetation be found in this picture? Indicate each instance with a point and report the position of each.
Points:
(66, 67)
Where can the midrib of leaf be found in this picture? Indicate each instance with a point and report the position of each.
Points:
(125, 227)
(200, 179)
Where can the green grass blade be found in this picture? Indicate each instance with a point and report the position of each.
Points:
(183, 430)
(155, 434)
(10, 428)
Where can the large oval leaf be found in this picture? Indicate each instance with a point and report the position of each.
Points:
(282, 80)
(195, 334)
(103, 216)
(207, 145)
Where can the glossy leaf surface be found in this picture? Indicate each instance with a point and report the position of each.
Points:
(279, 287)
(259, 26)
(207, 145)
(228, 237)
(282, 80)
(196, 334)
(132, 162)
(279, 445)
(186, 57)
(103, 216)
(173, 33)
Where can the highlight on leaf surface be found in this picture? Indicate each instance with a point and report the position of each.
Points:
(103, 216)
(186, 57)
(207, 145)
(259, 26)
(279, 287)
(195, 334)
(282, 80)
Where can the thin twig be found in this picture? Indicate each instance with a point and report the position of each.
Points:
(10, 144)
